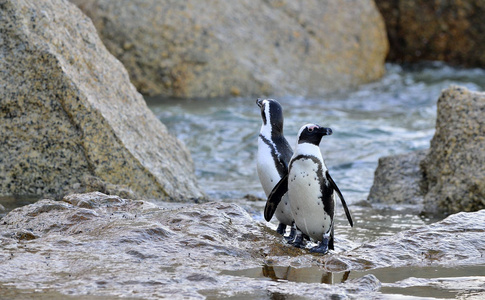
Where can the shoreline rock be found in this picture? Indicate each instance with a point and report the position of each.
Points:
(451, 174)
(69, 113)
(454, 169)
(455, 241)
(241, 48)
(109, 246)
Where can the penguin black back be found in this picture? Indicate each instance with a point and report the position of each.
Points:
(272, 116)
(274, 154)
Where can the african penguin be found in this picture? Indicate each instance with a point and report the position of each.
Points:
(274, 153)
(311, 190)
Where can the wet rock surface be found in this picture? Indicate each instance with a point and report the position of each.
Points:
(446, 30)
(68, 113)
(454, 241)
(104, 245)
(100, 245)
(397, 179)
(223, 48)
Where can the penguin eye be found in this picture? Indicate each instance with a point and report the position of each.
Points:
(310, 129)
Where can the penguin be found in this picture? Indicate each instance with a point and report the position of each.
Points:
(311, 190)
(274, 153)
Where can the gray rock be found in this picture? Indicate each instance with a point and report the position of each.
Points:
(451, 175)
(100, 245)
(222, 48)
(69, 112)
(454, 169)
(397, 179)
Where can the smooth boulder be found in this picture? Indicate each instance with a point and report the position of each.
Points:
(70, 120)
(229, 48)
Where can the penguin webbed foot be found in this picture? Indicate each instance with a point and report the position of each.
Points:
(323, 246)
(299, 241)
(281, 229)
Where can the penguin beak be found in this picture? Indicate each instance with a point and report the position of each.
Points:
(259, 102)
(324, 131)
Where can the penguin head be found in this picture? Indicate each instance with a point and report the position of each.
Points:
(272, 114)
(312, 134)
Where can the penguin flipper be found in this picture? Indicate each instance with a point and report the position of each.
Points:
(344, 204)
(275, 197)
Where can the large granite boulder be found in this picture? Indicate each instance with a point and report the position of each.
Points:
(446, 30)
(220, 48)
(105, 246)
(454, 169)
(69, 114)
(450, 176)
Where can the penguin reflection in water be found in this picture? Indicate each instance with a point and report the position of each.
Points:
(311, 191)
(274, 153)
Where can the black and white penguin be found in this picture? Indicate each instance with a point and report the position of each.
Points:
(311, 190)
(274, 153)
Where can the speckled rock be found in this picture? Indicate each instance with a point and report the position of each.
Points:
(69, 112)
(397, 179)
(454, 169)
(446, 30)
(222, 48)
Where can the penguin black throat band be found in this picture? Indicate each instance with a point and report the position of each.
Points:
(281, 167)
(263, 116)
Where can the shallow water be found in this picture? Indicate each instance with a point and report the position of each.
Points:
(7, 203)
(434, 282)
(391, 116)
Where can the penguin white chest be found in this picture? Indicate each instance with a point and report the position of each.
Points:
(267, 172)
(305, 183)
